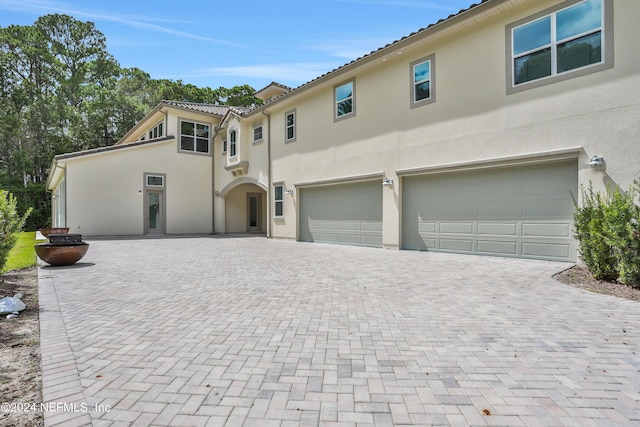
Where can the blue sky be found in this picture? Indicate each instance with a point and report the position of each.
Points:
(222, 43)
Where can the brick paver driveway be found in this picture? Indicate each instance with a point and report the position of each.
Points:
(251, 331)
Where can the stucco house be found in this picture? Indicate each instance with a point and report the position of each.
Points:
(472, 135)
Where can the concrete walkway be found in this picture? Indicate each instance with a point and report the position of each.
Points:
(249, 331)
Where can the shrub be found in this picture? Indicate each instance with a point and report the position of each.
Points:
(589, 221)
(622, 233)
(10, 224)
(608, 233)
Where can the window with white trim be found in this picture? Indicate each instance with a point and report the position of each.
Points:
(194, 137)
(257, 132)
(232, 142)
(290, 125)
(278, 200)
(565, 40)
(344, 98)
(155, 181)
(157, 131)
(224, 146)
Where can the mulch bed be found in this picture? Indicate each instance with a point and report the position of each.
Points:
(579, 277)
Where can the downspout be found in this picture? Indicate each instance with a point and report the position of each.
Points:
(269, 175)
(216, 129)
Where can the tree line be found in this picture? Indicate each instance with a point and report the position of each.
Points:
(62, 91)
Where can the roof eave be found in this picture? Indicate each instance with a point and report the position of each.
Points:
(473, 11)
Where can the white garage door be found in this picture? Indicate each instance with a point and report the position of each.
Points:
(346, 213)
(523, 211)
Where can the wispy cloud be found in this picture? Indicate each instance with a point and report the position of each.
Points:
(414, 4)
(51, 6)
(348, 49)
(290, 73)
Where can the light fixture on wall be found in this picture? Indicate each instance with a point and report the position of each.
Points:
(387, 181)
(289, 193)
(597, 162)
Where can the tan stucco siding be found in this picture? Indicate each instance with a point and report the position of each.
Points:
(236, 208)
(472, 119)
(105, 196)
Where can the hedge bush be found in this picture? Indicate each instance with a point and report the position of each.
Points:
(608, 232)
(11, 224)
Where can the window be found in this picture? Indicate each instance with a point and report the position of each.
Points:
(344, 100)
(157, 131)
(257, 132)
(232, 143)
(194, 137)
(290, 125)
(278, 198)
(155, 181)
(556, 42)
(422, 81)
(224, 146)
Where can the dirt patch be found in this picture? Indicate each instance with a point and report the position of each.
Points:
(20, 370)
(579, 277)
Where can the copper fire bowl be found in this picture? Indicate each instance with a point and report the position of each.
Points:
(60, 230)
(61, 254)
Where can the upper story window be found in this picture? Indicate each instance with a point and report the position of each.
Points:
(344, 97)
(290, 125)
(560, 43)
(224, 146)
(157, 131)
(194, 137)
(422, 81)
(233, 135)
(257, 132)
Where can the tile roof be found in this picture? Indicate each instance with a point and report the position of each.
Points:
(395, 42)
(110, 148)
(275, 84)
(217, 110)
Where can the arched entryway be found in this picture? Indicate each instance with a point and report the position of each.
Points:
(245, 208)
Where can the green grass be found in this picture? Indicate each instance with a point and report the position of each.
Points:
(22, 255)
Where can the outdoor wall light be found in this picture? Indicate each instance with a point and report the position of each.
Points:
(596, 162)
(289, 193)
(387, 181)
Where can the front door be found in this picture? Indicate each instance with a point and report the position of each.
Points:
(154, 221)
(253, 213)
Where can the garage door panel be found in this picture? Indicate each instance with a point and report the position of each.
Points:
(349, 225)
(457, 210)
(545, 210)
(491, 247)
(327, 225)
(547, 230)
(456, 227)
(498, 210)
(456, 245)
(520, 211)
(371, 240)
(371, 226)
(427, 227)
(506, 229)
(497, 191)
(546, 250)
(324, 236)
(346, 213)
